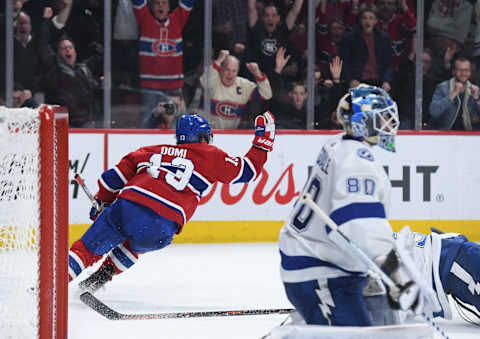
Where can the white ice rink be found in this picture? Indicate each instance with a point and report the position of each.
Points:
(199, 277)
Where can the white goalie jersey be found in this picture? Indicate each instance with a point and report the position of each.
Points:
(426, 251)
(353, 189)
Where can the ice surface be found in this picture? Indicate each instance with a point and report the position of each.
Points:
(199, 277)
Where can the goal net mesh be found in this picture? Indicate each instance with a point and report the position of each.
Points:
(19, 222)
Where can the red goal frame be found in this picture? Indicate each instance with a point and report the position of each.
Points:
(53, 261)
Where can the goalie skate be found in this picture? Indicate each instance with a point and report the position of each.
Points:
(98, 279)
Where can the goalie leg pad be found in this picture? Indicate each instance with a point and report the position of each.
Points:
(461, 271)
(334, 301)
(380, 311)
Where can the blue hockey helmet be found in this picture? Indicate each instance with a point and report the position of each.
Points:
(368, 113)
(190, 128)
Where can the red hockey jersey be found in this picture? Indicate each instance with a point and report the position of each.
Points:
(161, 46)
(170, 179)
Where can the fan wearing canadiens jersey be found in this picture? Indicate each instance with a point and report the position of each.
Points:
(155, 190)
(231, 93)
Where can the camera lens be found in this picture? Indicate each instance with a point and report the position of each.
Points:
(170, 108)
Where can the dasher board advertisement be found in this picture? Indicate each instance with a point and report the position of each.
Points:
(434, 176)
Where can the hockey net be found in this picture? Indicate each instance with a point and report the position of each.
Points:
(33, 222)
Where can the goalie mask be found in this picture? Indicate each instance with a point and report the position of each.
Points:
(191, 128)
(368, 113)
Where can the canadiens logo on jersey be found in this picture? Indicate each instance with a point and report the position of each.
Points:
(164, 47)
(269, 46)
(228, 109)
(160, 45)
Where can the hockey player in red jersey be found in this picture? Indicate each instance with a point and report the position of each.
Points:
(155, 190)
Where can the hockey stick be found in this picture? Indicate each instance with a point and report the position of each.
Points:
(371, 265)
(94, 303)
(78, 178)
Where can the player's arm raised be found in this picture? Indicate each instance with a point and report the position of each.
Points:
(247, 168)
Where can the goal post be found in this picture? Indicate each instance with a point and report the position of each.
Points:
(34, 222)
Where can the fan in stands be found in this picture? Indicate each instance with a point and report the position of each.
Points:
(152, 192)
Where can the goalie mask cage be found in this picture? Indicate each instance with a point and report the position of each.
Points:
(33, 222)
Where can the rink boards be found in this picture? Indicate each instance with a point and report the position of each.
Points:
(435, 179)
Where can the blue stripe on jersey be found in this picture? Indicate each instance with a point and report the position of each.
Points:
(247, 173)
(300, 262)
(182, 213)
(152, 47)
(112, 179)
(122, 257)
(197, 183)
(187, 3)
(358, 210)
(139, 3)
(74, 265)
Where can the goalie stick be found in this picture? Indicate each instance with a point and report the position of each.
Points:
(371, 265)
(97, 305)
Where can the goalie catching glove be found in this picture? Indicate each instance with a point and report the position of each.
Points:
(412, 292)
(97, 209)
(264, 131)
(407, 295)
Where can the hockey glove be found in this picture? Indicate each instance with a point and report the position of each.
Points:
(407, 295)
(94, 211)
(413, 293)
(264, 131)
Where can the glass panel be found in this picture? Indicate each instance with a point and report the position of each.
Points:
(154, 64)
(334, 21)
(269, 43)
(2, 54)
(398, 20)
(58, 57)
(231, 55)
(375, 45)
(451, 53)
(27, 70)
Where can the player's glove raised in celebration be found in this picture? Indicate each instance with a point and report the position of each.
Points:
(96, 210)
(264, 131)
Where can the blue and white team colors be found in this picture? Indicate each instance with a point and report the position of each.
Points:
(452, 266)
(353, 189)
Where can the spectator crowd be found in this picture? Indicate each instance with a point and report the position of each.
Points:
(259, 60)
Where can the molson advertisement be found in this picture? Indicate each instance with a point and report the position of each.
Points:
(435, 182)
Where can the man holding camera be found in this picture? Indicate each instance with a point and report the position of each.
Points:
(165, 114)
(455, 103)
